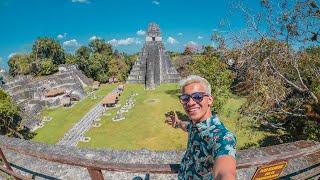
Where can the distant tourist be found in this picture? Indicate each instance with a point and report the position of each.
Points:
(211, 146)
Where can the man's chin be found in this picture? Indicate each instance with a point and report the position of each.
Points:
(194, 117)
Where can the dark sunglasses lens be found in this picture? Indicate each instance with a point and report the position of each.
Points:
(197, 96)
(184, 98)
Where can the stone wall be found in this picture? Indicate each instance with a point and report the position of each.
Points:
(302, 164)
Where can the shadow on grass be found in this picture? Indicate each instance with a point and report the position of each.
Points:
(275, 138)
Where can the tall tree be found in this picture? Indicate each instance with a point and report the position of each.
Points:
(118, 68)
(218, 75)
(101, 47)
(280, 81)
(19, 64)
(93, 60)
(9, 116)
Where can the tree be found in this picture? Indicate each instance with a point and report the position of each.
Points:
(208, 50)
(93, 60)
(218, 75)
(280, 81)
(118, 68)
(98, 67)
(70, 59)
(182, 63)
(47, 67)
(9, 116)
(19, 64)
(82, 57)
(101, 47)
(48, 48)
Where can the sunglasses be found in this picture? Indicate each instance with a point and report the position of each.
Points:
(196, 96)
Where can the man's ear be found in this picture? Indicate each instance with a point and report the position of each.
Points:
(210, 100)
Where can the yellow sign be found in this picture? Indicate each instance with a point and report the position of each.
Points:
(271, 171)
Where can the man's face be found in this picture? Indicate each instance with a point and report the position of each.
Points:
(197, 111)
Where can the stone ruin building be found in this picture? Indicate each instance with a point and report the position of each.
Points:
(153, 66)
(32, 94)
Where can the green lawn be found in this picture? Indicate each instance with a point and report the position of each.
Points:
(64, 118)
(245, 129)
(144, 125)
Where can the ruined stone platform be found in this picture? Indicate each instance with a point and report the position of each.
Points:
(29, 92)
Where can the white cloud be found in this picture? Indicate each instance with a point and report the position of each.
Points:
(192, 43)
(171, 40)
(200, 37)
(94, 37)
(12, 54)
(61, 36)
(71, 44)
(81, 1)
(141, 33)
(124, 42)
(156, 2)
(180, 34)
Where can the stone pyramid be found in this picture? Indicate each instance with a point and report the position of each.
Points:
(153, 66)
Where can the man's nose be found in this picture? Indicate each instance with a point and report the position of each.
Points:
(191, 102)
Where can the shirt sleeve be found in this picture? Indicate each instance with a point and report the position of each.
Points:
(225, 145)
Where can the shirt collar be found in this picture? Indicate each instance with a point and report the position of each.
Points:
(212, 121)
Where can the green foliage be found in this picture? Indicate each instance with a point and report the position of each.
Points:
(99, 62)
(311, 130)
(101, 47)
(48, 48)
(93, 60)
(47, 67)
(44, 59)
(218, 75)
(9, 117)
(118, 68)
(83, 53)
(208, 50)
(19, 64)
(70, 59)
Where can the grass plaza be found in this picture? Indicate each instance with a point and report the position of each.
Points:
(143, 126)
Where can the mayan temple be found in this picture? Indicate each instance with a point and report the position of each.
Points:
(153, 66)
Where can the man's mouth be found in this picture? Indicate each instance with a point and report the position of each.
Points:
(193, 110)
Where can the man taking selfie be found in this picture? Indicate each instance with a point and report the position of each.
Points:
(211, 146)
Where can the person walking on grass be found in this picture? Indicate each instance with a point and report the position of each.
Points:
(211, 148)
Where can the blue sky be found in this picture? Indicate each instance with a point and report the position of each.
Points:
(121, 22)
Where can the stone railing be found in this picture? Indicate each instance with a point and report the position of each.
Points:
(27, 159)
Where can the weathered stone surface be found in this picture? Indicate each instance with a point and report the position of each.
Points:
(297, 167)
(153, 66)
(28, 91)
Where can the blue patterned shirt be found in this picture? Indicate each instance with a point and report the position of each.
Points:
(207, 141)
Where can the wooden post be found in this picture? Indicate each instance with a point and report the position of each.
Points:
(6, 163)
(95, 174)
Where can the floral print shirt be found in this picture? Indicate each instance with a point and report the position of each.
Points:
(207, 141)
